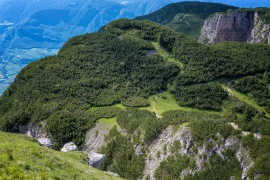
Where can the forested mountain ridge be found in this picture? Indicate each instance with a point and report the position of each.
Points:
(213, 23)
(186, 17)
(149, 80)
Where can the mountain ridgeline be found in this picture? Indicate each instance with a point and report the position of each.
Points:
(186, 17)
(211, 23)
(136, 64)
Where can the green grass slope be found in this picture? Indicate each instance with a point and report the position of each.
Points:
(186, 17)
(21, 157)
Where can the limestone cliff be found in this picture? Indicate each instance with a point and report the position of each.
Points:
(187, 146)
(246, 26)
(260, 31)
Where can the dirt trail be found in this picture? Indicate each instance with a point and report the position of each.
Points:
(154, 106)
(182, 19)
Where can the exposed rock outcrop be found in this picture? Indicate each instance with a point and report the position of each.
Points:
(36, 131)
(201, 154)
(236, 26)
(241, 154)
(33, 130)
(138, 149)
(71, 146)
(95, 159)
(260, 32)
(167, 139)
(161, 148)
(95, 137)
(45, 142)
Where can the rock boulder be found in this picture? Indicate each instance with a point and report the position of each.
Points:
(95, 159)
(45, 142)
(69, 147)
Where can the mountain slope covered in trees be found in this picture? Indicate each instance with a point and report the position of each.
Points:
(186, 17)
(126, 71)
(31, 29)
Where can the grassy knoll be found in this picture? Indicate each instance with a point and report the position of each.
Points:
(121, 106)
(108, 121)
(22, 157)
(165, 102)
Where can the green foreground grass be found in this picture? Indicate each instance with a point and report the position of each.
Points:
(21, 157)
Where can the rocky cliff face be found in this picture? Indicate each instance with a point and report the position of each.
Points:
(260, 31)
(167, 138)
(236, 26)
(202, 156)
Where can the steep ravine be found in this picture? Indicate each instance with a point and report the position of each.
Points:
(246, 26)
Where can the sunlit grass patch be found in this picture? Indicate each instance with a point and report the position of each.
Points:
(108, 121)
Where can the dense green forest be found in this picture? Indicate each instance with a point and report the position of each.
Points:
(202, 96)
(132, 119)
(126, 69)
(91, 70)
(258, 89)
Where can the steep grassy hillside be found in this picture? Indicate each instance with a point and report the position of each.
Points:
(21, 157)
(186, 17)
(145, 77)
